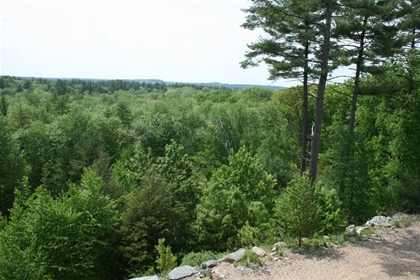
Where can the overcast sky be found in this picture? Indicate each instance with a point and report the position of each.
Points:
(183, 41)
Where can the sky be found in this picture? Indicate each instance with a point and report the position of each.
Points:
(180, 41)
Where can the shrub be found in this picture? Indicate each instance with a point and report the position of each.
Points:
(165, 259)
(304, 209)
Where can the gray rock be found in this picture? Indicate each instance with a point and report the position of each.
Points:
(260, 252)
(279, 245)
(209, 264)
(154, 277)
(359, 230)
(398, 216)
(182, 272)
(351, 230)
(206, 272)
(235, 256)
(380, 221)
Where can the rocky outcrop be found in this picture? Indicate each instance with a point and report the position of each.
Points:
(380, 221)
(154, 277)
(209, 264)
(182, 272)
(258, 251)
(235, 256)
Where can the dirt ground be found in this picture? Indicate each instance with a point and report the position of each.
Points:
(392, 254)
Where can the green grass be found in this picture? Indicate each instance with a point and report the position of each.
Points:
(249, 259)
(197, 258)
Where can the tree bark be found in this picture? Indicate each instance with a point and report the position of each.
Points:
(305, 125)
(359, 64)
(316, 136)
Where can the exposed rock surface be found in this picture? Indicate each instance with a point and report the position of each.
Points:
(260, 252)
(380, 221)
(351, 230)
(393, 255)
(235, 256)
(209, 264)
(182, 272)
(386, 252)
(154, 277)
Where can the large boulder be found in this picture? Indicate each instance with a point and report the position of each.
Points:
(399, 216)
(379, 221)
(260, 252)
(360, 230)
(235, 256)
(154, 277)
(351, 230)
(182, 272)
(209, 264)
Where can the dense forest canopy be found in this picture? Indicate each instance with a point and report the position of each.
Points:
(94, 174)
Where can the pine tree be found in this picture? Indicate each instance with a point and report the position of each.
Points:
(290, 49)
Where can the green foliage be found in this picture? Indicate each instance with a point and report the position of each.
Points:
(303, 210)
(176, 167)
(228, 200)
(250, 258)
(12, 165)
(195, 259)
(404, 222)
(149, 215)
(69, 237)
(3, 106)
(171, 159)
(297, 211)
(248, 236)
(165, 260)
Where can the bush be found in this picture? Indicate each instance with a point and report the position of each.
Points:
(197, 258)
(165, 260)
(304, 209)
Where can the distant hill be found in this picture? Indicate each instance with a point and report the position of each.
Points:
(231, 86)
(153, 81)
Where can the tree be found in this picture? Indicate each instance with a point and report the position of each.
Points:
(165, 260)
(149, 215)
(12, 166)
(73, 236)
(229, 199)
(3, 106)
(290, 51)
(290, 24)
(368, 35)
(304, 209)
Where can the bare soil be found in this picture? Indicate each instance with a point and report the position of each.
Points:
(387, 254)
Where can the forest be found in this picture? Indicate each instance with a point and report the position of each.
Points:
(97, 176)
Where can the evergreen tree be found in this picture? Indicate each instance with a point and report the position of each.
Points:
(290, 51)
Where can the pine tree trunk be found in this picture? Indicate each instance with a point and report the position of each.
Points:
(316, 136)
(359, 64)
(305, 125)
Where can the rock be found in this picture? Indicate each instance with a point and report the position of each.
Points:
(326, 237)
(279, 245)
(182, 272)
(398, 216)
(206, 272)
(359, 230)
(209, 264)
(235, 256)
(380, 221)
(154, 277)
(260, 252)
(351, 230)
